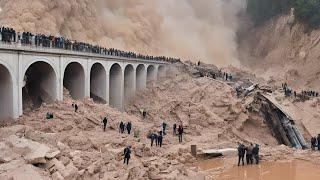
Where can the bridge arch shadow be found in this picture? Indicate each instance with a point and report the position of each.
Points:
(74, 80)
(141, 79)
(98, 83)
(151, 73)
(39, 85)
(161, 71)
(128, 83)
(6, 93)
(115, 86)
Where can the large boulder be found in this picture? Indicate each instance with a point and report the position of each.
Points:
(6, 154)
(33, 152)
(25, 172)
(12, 130)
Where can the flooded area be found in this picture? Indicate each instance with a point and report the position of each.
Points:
(210, 164)
(294, 170)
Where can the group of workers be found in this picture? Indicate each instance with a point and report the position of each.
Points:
(288, 92)
(9, 35)
(123, 126)
(154, 137)
(75, 107)
(158, 137)
(250, 152)
(315, 143)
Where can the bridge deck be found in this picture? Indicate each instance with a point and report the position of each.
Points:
(38, 49)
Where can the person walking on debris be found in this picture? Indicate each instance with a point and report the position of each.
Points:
(144, 114)
(153, 138)
(249, 154)
(164, 127)
(104, 121)
(174, 129)
(238, 90)
(126, 153)
(49, 115)
(76, 108)
(318, 139)
(241, 153)
(156, 139)
(129, 127)
(313, 143)
(160, 138)
(180, 131)
(121, 127)
(255, 153)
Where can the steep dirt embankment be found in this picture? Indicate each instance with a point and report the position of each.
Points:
(285, 51)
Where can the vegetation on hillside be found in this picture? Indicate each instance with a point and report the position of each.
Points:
(305, 11)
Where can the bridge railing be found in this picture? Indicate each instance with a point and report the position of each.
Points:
(33, 48)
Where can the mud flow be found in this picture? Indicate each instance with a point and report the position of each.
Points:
(294, 170)
(210, 164)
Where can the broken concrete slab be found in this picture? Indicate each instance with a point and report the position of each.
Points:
(70, 172)
(12, 130)
(57, 176)
(33, 152)
(6, 154)
(11, 165)
(25, 172)
(52, 154)
(220, 152)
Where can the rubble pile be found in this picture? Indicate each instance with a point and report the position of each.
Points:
(72, 145)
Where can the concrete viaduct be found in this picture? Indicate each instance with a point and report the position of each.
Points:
(40, 75)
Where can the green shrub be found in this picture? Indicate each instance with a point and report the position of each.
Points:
(308, 12)
(263, 10)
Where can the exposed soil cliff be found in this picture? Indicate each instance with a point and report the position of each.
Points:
(283, 50)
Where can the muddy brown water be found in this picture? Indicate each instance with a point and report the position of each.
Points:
(293, 170)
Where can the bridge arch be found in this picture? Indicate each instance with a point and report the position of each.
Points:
(115, 86)
(141, 77)
(6, 93)
(129, 83)
(74, 80)
(161, 71)
(39, 84)
(98, 83)
(151, 73)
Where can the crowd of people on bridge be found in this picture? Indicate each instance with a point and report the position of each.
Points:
(9, 35)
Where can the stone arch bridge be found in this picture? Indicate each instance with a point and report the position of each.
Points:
(40, 75)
